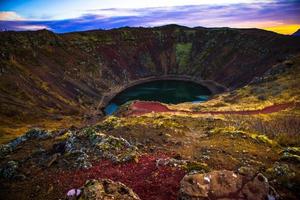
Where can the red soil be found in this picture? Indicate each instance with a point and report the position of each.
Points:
(143, 107)
(145, 178)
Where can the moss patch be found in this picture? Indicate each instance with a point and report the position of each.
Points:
(183, 53)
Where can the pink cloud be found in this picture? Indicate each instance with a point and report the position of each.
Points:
(10, 16)
(32, 27)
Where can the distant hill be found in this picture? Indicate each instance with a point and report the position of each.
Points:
(297, 33)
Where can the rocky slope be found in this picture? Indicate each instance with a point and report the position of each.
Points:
(46, 76)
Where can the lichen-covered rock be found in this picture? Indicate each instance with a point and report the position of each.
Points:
(280, 170)
(5, 149)
(283, 175)
(81, 159)
(114, 148)
(9, 170)
(74, 144)
(37, 134)
(31, 134)
(106, 190)
(223, 185)
(90, 141)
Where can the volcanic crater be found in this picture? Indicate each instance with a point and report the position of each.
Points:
(55, 87)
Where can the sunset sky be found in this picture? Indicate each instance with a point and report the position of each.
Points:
(282, 16)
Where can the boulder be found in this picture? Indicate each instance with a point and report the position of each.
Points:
(116, 149)
(105, 189)
(224, 185)
(256, 189)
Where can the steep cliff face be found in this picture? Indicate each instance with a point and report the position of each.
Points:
(45, 74)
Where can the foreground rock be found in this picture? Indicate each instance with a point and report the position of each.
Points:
(103, 190)
(224, 185)
(81, 145)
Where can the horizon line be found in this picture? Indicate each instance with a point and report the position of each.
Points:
(149, 27)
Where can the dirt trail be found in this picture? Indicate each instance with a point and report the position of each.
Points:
(143, 107)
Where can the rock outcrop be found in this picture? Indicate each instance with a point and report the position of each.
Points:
(31, 134)
(117, 149)
(105, 189)
(224, 185)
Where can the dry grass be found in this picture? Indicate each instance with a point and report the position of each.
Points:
(9, 132)
(285, 129)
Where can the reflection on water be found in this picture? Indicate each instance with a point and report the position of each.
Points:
(201, 98)
(166, 91)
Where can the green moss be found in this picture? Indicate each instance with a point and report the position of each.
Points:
(64, 136)
(166, 123)
(113, 122)
(146, 61)
(264, 139)
(227, 130)
(110, 123)
(89, 131)
(196, 166)
(183, 53)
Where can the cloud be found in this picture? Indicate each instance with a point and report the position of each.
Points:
(9, 16)
(243, 15)
(31, 27)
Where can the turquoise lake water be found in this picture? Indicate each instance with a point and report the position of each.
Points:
(166, 91)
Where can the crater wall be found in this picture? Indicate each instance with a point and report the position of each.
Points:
(45, 74)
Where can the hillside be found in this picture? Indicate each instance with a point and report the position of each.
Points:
(50, 79)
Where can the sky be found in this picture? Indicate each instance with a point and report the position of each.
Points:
(60, 16)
